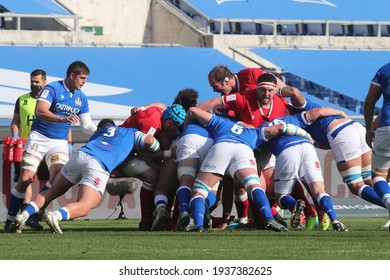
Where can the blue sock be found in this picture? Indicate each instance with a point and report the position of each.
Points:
(369, 194)
(211, 199)
(197, 205)
(64, 213)
(30, 209)
(382, 189)
(287, 202)
(183, 194)
(261, 201)
(15, 203)
(327, 206)
(46, 187)
(160, 201)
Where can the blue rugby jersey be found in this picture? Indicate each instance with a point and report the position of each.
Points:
(110, 145)
(62, 103)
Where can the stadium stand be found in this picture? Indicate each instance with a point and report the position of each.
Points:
(34, 15)
(347, 73)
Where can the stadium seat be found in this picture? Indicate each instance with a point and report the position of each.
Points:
(288, 29)
(266, 29)
(385, 30)
(215, 27)
(314, 29)
(336, 29)
(360, 30)
(248, 28)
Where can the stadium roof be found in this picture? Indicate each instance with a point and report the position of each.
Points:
(42, 7)
(358, 10)
(348, 72)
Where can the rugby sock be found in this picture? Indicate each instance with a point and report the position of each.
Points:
(46, 187)
(15, 202)
(382, 189)
(147, 202)
(369, 194)
(160, 201)
(31, 208)
(211, 199)
(274, 209)
(327, 205)
(197, 206)
(183, 194)
(63, 213)
(261, 201)
(242, 205)
(287, 202)
(298, 193)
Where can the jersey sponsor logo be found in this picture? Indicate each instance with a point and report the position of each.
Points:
(231, 97)
(62, 97)
(252, 162)
(96, 181)
(25, 102)
(66, 109)
(317, 165)
(44, 93)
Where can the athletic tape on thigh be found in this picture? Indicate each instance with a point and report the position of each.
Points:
(30, 163)
(201, 187)
(57, 158)
(251, 180)
(352, 175)
(186, 170)
(366, 172)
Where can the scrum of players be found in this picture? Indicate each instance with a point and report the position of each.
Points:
(252, 146)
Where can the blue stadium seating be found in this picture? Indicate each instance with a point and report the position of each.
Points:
(346, 72)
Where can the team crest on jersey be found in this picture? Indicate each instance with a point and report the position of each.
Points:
(62, 97)
(34, 146)
(78, 101)
(231, 97)
(44, 93)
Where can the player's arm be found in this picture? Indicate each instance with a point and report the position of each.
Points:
(296, 97)
(134, 110)
(201, 115)
(313, 114)
(42, 111)
(374, 93)
(15, 125)
(86, 124)
(211, 103)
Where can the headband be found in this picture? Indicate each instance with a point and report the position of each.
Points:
(266, 85)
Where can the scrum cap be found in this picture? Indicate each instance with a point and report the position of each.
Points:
(176, 113)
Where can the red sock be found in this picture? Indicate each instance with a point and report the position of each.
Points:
(274, 209)
(147, 205)
(242, 205)
(175, 212)
(298, 193)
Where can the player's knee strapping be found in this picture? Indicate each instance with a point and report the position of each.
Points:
(186, 170)
(352, 175)
(30, 163)
(57, 158)
(251, 180)
(201, 187)
(366, 172)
